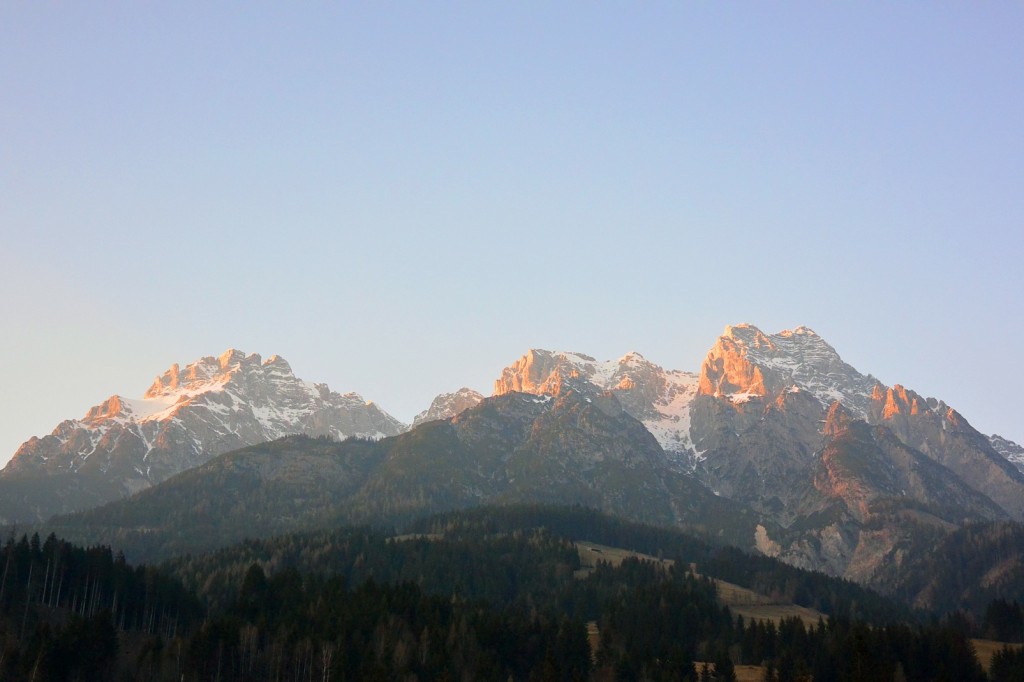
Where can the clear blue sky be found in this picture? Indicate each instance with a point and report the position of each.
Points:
(401, 198)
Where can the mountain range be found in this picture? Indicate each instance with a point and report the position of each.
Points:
(775, 445)
(186, 417)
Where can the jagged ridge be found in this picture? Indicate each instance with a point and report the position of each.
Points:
(186, 417)
(659, 398)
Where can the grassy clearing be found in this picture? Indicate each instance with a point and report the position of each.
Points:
(754, 606)
(744, 673)
(747, 603)
(593, 639)
(415, 536)
(777, 612)
(987, 648)
(591, 553)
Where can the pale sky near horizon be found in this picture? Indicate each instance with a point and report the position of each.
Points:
(402, 198)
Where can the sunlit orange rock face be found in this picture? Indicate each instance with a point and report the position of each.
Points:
(898, 400)
(837, 419)
(727, 369)
(537, 372)
(198, 373)
(108, 409)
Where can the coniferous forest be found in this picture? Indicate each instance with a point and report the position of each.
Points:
(487, 594)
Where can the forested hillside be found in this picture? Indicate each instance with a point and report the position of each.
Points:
(488, 594)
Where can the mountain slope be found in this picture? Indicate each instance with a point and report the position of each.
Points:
(511, 448)
(942, 433)
(187, 416)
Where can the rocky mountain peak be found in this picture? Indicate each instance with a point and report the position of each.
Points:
(727, 369)
(747, 335)
(278, 365)
(448, 405)
(214, 373)
(746, 362)
(799, 331)
(188, 416)
(544, 372)
(232, 357)
(108, 409)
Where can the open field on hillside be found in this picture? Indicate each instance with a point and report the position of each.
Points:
(744, 673)
(743, 602)
(591, 553)
(987, 648)
(751, 605)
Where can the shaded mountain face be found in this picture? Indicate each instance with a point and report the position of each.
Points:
(569, 449)
(941, 433)
(871, 502)
(862, 465)
(187, 416)
(577, 447)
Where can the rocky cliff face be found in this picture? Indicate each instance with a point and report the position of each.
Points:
(860, 476)
(758, 413)
(944, 436)
(746, 362)
(849, 469)
(861, 465)
(873, 504)
(659, 398)
(758, 450)
(186, 417)
(756, 438)
(448, 405)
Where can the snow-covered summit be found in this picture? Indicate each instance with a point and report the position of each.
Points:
(189, 415)
(746, 362)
